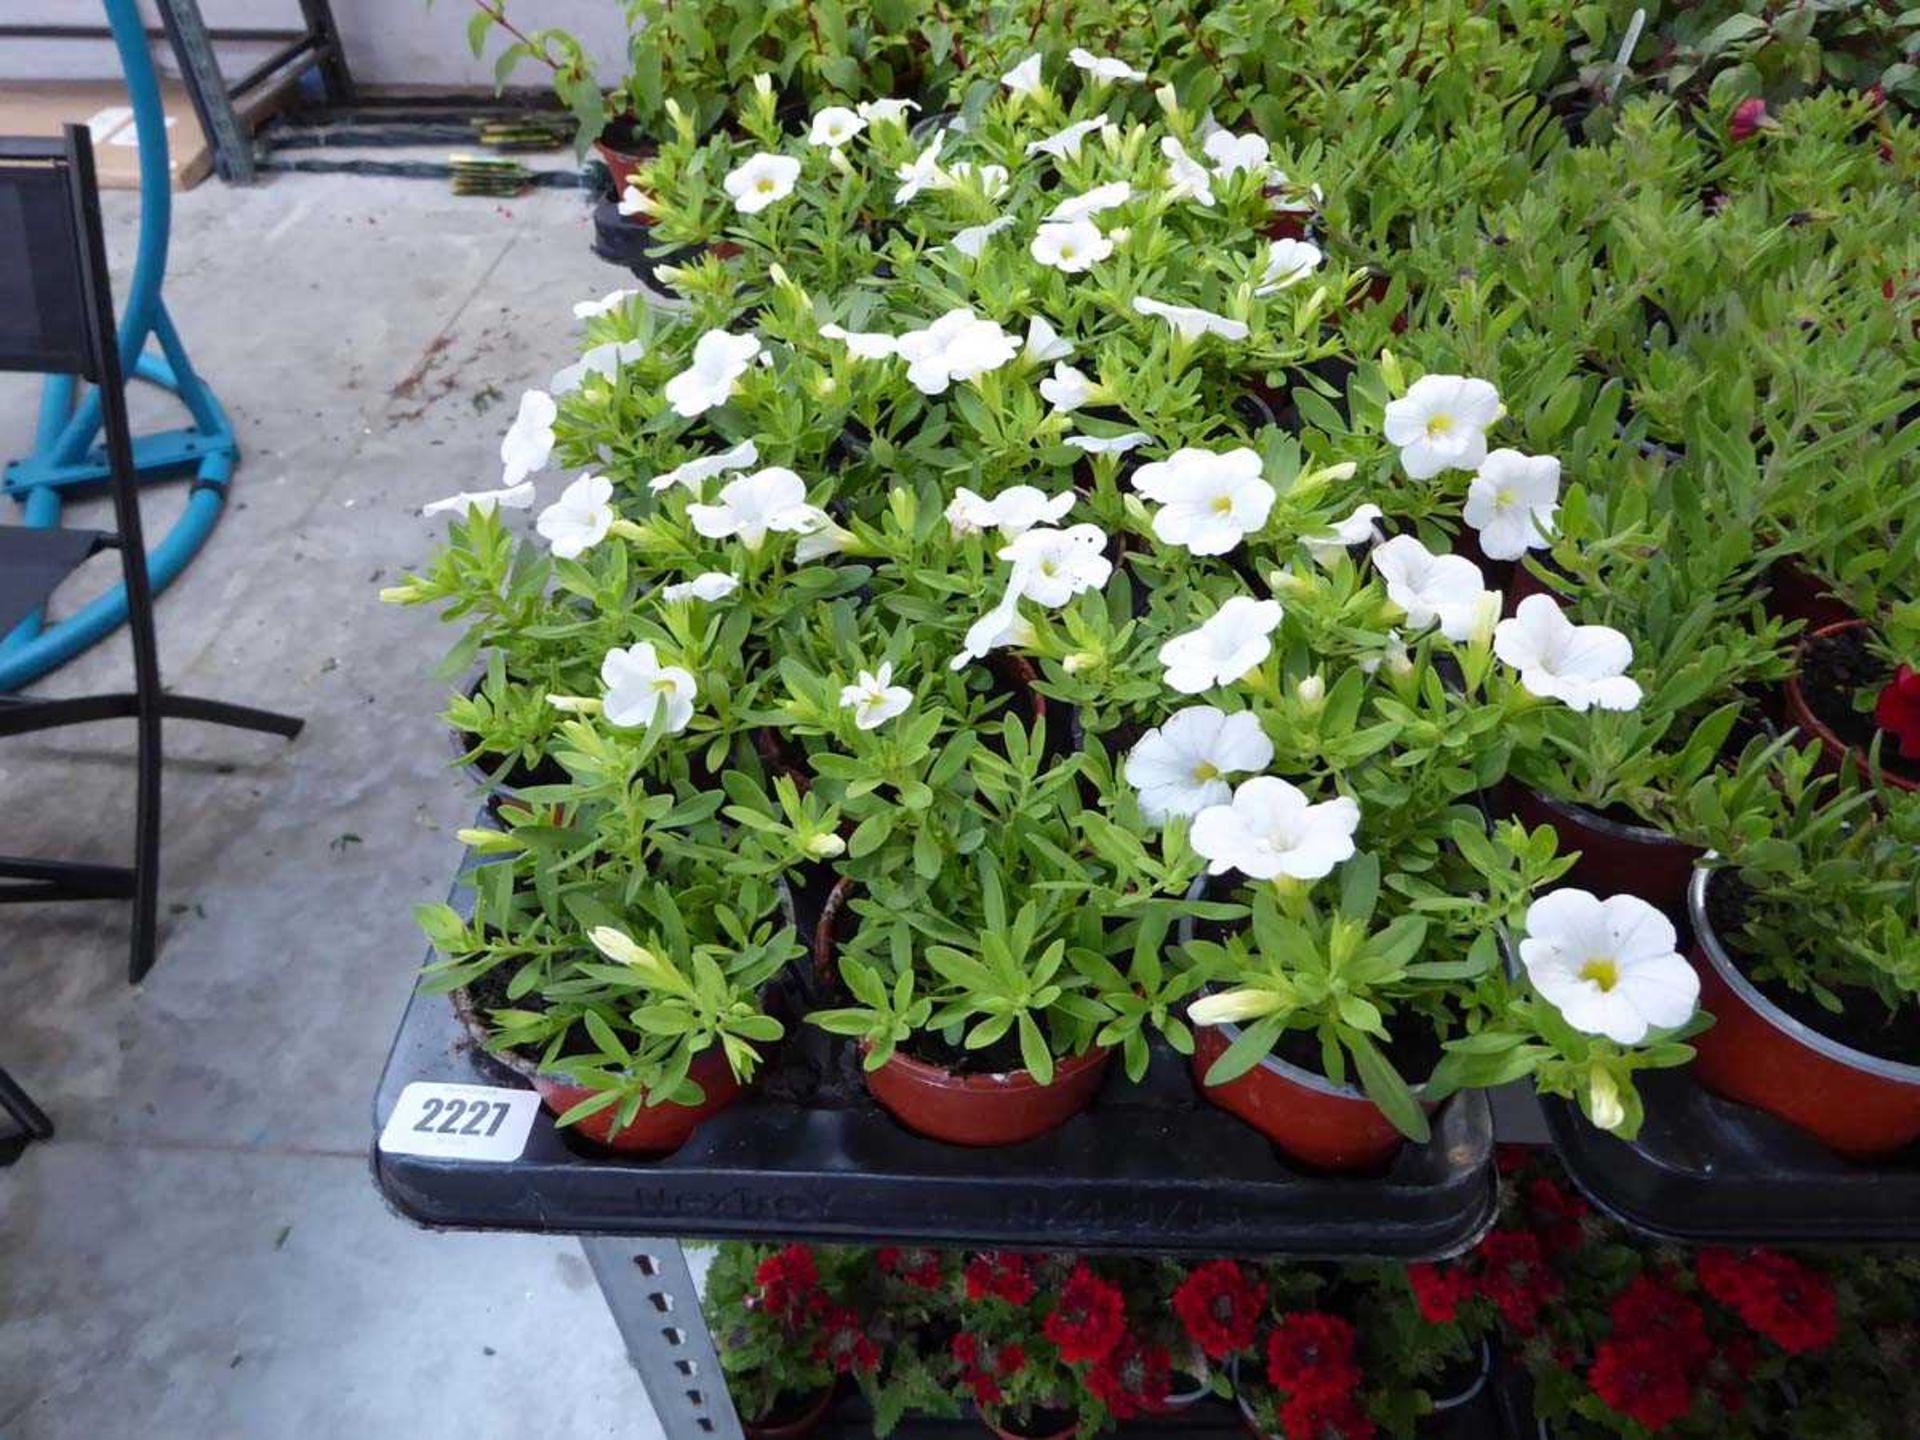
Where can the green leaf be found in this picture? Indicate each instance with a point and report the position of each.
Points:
(1387, 1090)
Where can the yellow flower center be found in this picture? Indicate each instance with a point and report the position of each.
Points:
(1223, 504)
(1439, 425)
(1049, 568)
(1067, 252)
(664, 685)
(1603, 971)
(1206, 770)
(1504, 498)
(765, 187)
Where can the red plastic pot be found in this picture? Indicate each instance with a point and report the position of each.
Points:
(1801, 714)
(656, 1130)
(794, 1429)
(1327, 1126)
(1615, 858)
(1796, 593)
(1857, 1104)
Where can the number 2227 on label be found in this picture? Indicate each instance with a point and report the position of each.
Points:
(460, 1122)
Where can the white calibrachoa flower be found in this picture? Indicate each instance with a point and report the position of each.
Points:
(605, 305)
(1110, 444)
(1512, 502)
(719, 360)
(835, 126)
(1190, 323)
(1441, 424)
(603, 360)
(1044, 342)
(637, 685)
(863, 344)
(1096, 200)
(513, 497)
(1181, 768)
(972, 240)
(957, 346)
(1070, 248)
(1187, 178)
(1067, 389)
(1024, 78)
(528, 443)
(922, 172)
(1357, 529)
(1430, 587)
(1051, 566)
(695, 473)
(1270, 831)
(1002, 625)
(887, 112)
(771, 499)
(874, 698)
(1208, 502)
(1232, 153)
(1066, 144)
(709, 585)
(635, 201)
(1224, 647)
(760, 181)
(1610, 967)
(1288, 263)
(1104, 68)
(1582, 666)
(993, 179)
(1012, 512)
(579, 519)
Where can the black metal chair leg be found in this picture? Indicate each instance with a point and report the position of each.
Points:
(146, 851)
(17, 1103)
(239, 717)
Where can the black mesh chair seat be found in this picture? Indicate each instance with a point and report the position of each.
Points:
(33, 562)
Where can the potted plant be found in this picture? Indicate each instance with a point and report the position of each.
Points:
(787, 1332)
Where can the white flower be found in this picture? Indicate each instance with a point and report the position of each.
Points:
(1024, 78)
(972, 240)
(819, 536)
(770, 499)
(1070, 248)
(635, 201)
(835, 126)
(1044, 342)
(1288, 263)
(1068, 389)
(1189, 323)
(637, 685)
(528, 442)
(994, 179)
(1066, 144)
(696, 472)
(1232, 153)
(579, 519)
(1430, 587)
(513, 497)
(1109, 444)
(1051, 566)
(1512, 502)
(874, 698)
(957, 346)
(1012, 512)
(886, 112)
(719, 360)
(922, 172)
(1356, 529)
(604, 360)
(1610, 967)
(1181, 768)
(1580, 665)
(1441, 424)
(1224, 647)
(1270, 830)
(709, 585)
(1002, 625)
(760, 180)
(1084, 207)
(862, 344)
(1187, 178)
(1104, 68)
(1208, 502)
(606, 304)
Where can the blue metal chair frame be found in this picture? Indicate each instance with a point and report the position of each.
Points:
(68, 456)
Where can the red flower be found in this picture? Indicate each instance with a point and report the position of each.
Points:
(916, 1267)
(1654, 1309)
(983, 1365)
(1133, 1379)
(789, 1282)
(1311, 1355)
(1779, 1298)
(1557, 1215)
(1514, 1275)
(846, 1346)
(1001, 1275)
(1089, 1320)
(1643, 1381)
(1898, 711)
(1220, 1307)
(1732, 1365)
(1305, 1417)
(1439, 1290)
(1749, 118)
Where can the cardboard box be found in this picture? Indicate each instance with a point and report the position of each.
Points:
(41, 107)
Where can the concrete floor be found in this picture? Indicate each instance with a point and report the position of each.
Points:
(200, 1252)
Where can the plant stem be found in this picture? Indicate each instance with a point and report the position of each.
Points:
(496, 11)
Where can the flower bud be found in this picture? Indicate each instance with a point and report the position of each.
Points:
(763, 84)
(1169, 100)
(1311, 691)
(1080, 660)
(400, 594)
(826, 846)
(1603, 1100)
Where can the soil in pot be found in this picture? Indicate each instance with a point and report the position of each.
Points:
(623, 150)
(1835, 665)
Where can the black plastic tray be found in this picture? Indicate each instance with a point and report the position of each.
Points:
(808, 1155)
(1707, 1171)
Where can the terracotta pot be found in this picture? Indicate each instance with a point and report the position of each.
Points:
(1832, 747)
(619, 150)
(1857, 1104)
(1796, 593)
(656, 1130)
(1615, 857)
(1327, 1126)
(794, 1429)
